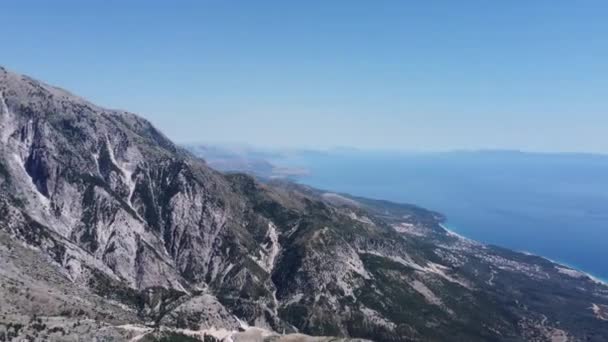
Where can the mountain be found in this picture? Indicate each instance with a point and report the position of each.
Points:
(109, 231)
(549, 204)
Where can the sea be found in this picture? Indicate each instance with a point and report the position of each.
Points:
(552, 205)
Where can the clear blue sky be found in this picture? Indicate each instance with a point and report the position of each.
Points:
(415, 75)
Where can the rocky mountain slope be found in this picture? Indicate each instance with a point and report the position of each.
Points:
(109, 231)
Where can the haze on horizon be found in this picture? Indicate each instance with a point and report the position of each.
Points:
(371, 75)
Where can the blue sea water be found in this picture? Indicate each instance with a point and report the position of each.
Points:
(553, 205)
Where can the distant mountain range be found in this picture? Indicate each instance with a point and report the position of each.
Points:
(243, 159)
(296, 163)
(109, 231)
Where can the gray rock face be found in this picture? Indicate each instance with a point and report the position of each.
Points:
(111, 197)
(105, 222)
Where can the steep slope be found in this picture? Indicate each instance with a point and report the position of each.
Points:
(115, 204)
(104, 221)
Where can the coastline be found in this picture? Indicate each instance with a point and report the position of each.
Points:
(566, 265)
(450, 230)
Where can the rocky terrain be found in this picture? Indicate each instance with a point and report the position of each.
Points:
(110, 232)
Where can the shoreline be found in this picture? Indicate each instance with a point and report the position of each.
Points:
(599, 280)
(589, 275)
(452, 232)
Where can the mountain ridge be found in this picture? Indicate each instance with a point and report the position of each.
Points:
(128, 230)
